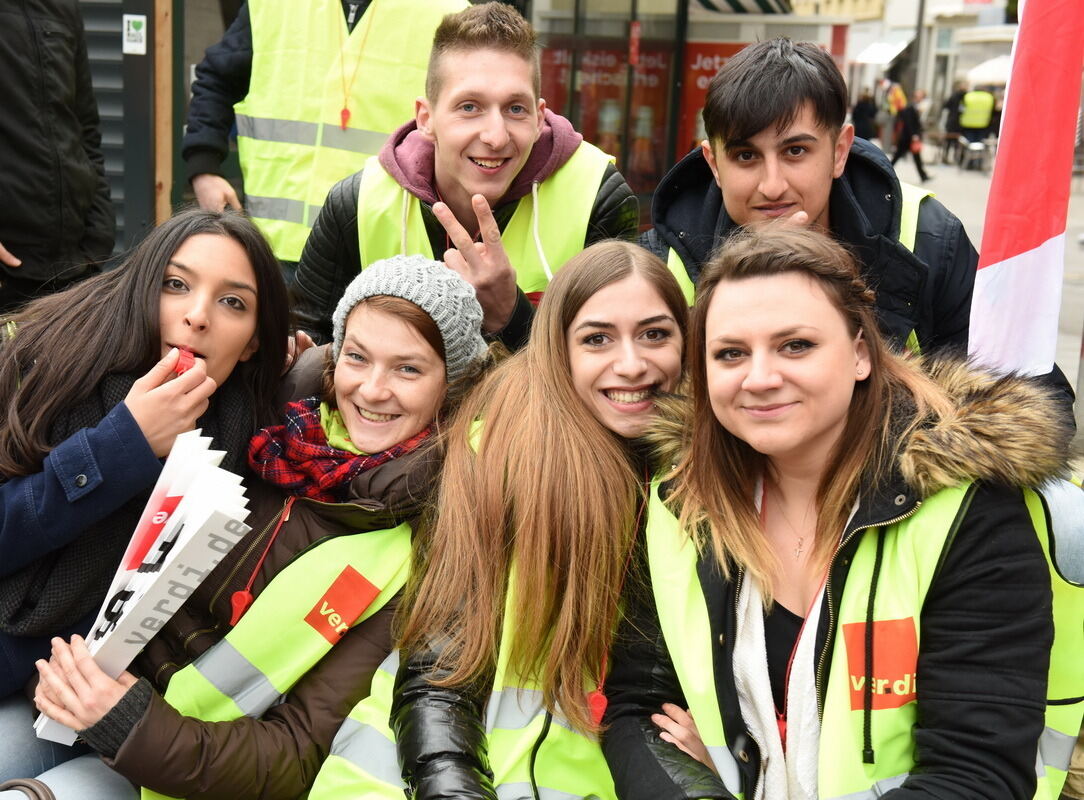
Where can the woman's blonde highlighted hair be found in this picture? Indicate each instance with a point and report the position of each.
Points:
(533, 480)
(715, 479)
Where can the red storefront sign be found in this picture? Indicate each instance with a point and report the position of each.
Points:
(702, 61)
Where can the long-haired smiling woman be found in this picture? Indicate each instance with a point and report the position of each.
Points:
(507, 637)
(863, 608)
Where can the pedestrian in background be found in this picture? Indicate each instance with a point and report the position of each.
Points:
(57, 218)
(951, 115)
(864, 116)
(909, 134)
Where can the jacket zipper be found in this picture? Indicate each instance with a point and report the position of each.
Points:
(233, 572)
(829, 639)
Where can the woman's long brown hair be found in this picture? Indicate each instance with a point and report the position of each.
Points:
(59, 347)
(715, 480)
(532, 480)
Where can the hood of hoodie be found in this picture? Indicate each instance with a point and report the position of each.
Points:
(688, 213)
(408, 157)
(1005, 429)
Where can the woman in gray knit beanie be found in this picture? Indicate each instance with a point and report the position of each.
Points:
(342, 480)
(405, 329)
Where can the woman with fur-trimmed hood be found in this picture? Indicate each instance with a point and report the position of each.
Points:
(864, 609)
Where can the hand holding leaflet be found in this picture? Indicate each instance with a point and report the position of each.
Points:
(195, 515)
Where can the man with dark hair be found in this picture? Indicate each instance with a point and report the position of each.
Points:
(777, 147)
(484, 176)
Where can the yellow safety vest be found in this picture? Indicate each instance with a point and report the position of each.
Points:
(911, 203)
(294, 622)
(290, 135)
(528, 748)
(977, 111)
(540, 237)
(910, 553)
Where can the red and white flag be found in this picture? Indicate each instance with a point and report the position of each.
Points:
(1014, 313)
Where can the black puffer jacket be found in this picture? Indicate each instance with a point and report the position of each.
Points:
(928, 291)
(331, 258)
(57, 214)
(986, 623)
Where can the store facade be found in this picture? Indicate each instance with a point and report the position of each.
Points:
(632, 75)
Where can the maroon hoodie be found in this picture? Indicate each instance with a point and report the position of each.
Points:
(408, 157)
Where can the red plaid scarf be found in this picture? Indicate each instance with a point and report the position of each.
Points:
(297, 457)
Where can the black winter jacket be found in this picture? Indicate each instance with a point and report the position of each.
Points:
(928, 291)
(222, 79)
(331, 257)
(986, 628)
(57, 214)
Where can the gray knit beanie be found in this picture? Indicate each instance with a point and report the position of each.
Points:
(435, 289)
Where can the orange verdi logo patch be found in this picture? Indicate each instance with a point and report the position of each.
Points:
(895, 659)
(342, 604)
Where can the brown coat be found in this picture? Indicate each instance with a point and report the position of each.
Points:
(278, 755)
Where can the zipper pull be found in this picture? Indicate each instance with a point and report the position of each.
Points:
(243, 598)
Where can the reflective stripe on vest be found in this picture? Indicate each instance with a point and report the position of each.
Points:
(1056, 512)
(364, 763)
(291, 142)
(538, 239)
(247, 672)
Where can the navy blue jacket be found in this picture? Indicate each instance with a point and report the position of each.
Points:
(83, 480)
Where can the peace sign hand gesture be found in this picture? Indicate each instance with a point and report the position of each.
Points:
(484, 265)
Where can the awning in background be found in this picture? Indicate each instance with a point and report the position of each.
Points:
(994, 72)
(746, 6)
(885, 52)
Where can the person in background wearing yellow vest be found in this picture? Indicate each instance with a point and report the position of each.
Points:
(244, 688)
(865, 609)
(484, 176)
(314, 86)
(506, 641)
(777, 146)
(976, 114)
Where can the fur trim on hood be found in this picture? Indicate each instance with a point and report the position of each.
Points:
(1003, 428)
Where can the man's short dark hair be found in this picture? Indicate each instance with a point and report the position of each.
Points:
(768, 83)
